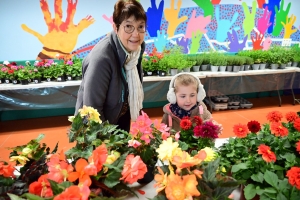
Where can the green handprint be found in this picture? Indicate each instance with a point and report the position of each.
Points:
(281, 16)
(196, 37)
(171, 15)
(249, 21)
(206, 6)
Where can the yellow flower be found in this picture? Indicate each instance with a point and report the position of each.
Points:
(114, 155)
(71, 118)
(167, 149)
(210, 154)
(21, 159)
(91, 113)
(26, 151)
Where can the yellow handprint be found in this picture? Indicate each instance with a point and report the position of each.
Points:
(288, 26)
(171, 15)
(62, 36)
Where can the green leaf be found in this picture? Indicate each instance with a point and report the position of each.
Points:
(32, 196)
(184, 146)
(283, 184)
(112, 179)
(56, 189)
(14, 197)
(280, 196)
(271, 178)
(289, 157)
(270, 190)
(236, 168)
(249, 191)
(258, 177)
(147, 154)
(91, 136)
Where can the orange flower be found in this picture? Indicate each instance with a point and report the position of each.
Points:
(161, 180)
(266, 153)
(240, 130)
(178, 188)
(83, 172)
(297, 124)
(294, 177)
(72, 192)
(298, 146)
(185, 160)
(99, 157)
(7, 170)
(134, 169)
(291, 116)
(58, 168)
(41, 187)
(278, 129)
(274, 116)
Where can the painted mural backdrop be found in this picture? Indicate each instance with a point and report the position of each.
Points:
(196, 25)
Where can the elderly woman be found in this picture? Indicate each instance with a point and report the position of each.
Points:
(112, 73)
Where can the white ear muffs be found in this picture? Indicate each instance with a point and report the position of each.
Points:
(171, 94)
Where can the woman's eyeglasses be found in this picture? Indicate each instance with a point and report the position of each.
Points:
(130, 28)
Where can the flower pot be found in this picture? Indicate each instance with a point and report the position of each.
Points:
(204, 67)
(222, 68)
(148, 177)
(262, 66)
(274, 66)
(15, 81)
(246, 67)
(37, 80)
(24, 82)
(214, 68)
(2, 80)
(229, 68)
(255, 66)
(162, 73)
(295, 64)
(188, 69)
(196, 68)
(60, 79)
(242, 68)
(289, 64)
(282, 66)
(49, 79)
(236, 68)
(174, 72)
(77, 77)
(149, 73)
(69, 78)
(7, 81)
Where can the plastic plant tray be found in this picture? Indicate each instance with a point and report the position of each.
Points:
(243, 102)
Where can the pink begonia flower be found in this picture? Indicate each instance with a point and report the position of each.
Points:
(177, 136)
(134, 143)
(134, 169)
(69, 62)
(84, 190)
(142, 124)
(147, 137)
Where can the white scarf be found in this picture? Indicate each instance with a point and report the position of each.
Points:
(136, 93)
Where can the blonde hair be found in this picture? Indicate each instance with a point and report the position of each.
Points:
(185, 80)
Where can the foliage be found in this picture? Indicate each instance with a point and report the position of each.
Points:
(263, 157)
(153, 61)
(73, 67)
(190, 177)
(218, 59)
(196, 134)
(24, 73)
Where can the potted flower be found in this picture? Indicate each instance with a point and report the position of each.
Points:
(59, 72)
(36, 75)
(190, 176)
(199, 61)
(73, 68)
(11, 75)
(99, 166)
(265, 157)
(3, 72)
(248, 62)
(24, 74)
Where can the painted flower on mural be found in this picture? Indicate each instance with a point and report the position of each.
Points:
(266, 157)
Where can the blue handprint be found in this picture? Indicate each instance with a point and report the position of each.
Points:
(234, 45)
(224, 25)
(161, 41)
(271, 6)
(154, 16)
(184, 44)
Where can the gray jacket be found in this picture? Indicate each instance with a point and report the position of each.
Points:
(104, 85)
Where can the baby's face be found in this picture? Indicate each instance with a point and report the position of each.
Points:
(186, 96)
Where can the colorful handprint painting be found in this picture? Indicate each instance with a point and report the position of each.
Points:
(62, 36)
(195, 25)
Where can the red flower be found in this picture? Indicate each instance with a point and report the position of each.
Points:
(298, 146)
(297, 124)
(291, 116)
(278, 129)
(11, 71)
(41, 187)
(197, 120)
(185, 123)
(274, 116)
(240, 130)
(72, 192)
(253, 126)
(206, 130)
(294, 177)
(7, 170)
(266, 153)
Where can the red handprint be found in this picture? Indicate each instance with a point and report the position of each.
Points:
(261, 3)
(257, 41)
